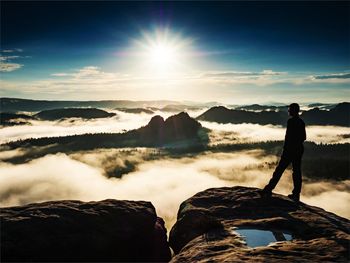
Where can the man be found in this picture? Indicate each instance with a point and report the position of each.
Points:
(293, 150)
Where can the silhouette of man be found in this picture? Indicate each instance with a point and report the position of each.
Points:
(293, 150)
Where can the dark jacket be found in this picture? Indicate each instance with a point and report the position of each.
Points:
(295, 136)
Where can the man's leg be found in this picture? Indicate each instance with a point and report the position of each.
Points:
(297, 180)
(282, 165)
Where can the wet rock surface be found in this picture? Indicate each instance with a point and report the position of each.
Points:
(109, 230)
(205, 229)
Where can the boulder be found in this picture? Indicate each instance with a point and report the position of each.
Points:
(209, 223)
(102, 231)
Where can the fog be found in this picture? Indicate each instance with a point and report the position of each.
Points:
(247, 132)
(166, 182)
(36, 129)
(121, 122)
(221, 133)
(149, 174)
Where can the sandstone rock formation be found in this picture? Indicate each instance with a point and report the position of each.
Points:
(108, 230)
(205, 229)
(176, 128)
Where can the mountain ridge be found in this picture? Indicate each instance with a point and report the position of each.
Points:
(339, 115)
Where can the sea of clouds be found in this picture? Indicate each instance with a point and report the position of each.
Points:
(166, 182)
(163, 180)
(221, 133)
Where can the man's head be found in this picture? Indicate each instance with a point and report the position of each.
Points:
(293, 109)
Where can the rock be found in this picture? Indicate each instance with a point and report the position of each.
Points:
(176, 128)
(102, 231)
(181, 126)
(205, 229)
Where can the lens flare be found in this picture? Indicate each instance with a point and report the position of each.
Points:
(164, 53)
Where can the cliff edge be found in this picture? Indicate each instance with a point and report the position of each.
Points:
(75, 231)
(237, 225)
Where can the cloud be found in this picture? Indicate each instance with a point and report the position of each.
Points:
(7, 154)
(91, 78)
(81, 82)
(220, 134)
(334, 76)
(12, 50)
(36, 129)
(120, 123)
(90, 71)
(39, 180)
(5, 58)
(6, 64)
(225, 86)
(8, 67)
(165, 182)
(270, 77)
(262, 78)
(115, 162)
(27, 183)
(87, 73)
(225, 74)
(247, 132)
(60, 74)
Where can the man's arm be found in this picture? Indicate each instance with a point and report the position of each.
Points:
(303, 132)
(287, 137)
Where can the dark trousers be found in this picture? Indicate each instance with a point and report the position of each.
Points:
(287, 158)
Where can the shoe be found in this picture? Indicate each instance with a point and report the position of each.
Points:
(294, 197)
(265, 193)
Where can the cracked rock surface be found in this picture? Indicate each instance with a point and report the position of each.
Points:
(76, 231)
(204, 231)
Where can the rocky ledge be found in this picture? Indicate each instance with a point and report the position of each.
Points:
(108, 230)
(209, 224)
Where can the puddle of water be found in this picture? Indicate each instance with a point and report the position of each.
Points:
(258, 238)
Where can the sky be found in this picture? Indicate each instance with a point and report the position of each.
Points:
(229, 52)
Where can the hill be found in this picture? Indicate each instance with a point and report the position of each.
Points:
(84, 113)
(179, 108)
(258, 107)
(339, 115)
(135, 110)
(10, 119)
(222, 114)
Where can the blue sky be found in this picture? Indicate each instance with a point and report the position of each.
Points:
(233, 52)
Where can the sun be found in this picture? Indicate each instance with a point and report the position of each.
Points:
(163, 53)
